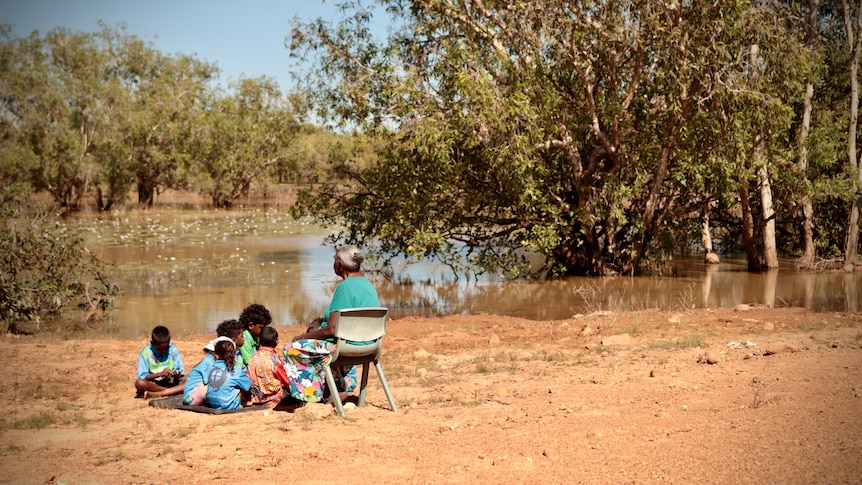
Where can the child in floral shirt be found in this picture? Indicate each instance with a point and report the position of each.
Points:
(266, 369)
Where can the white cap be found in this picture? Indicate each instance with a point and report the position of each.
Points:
(210, 347)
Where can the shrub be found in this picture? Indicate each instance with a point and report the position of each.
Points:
(44, 267)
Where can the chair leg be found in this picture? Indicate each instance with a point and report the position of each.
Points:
(363, 386)
(385, 386)
(333, 391)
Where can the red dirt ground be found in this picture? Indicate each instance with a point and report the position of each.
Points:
(641, 397)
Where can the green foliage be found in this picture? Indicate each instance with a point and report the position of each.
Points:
(598, 134)
(241, 139)
(101, 114)
(44, 267)
(535, 125)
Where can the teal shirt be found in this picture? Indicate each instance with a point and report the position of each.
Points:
(353, 292)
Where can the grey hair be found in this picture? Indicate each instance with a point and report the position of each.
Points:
(350, 256)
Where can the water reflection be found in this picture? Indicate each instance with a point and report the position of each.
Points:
(190, 272)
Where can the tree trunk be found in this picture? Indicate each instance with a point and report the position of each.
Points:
(770, 253)
(748, 229)
(770, 250)
(807, 258)
(146, 194)
(100, 199)
(706, 238)
(851, 243)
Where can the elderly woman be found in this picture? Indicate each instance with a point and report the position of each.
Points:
(354, 292)
(307, 355)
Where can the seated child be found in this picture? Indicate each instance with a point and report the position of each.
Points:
(266, 369)
(253, 318)
(195, 389)
(160, 366)
(228, 385)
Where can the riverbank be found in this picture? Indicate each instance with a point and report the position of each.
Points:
(713, 396)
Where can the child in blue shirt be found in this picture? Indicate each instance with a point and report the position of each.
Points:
(160, 366)
(195, 389)
(228, 385)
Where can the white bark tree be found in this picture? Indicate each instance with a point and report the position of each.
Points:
(853, 27)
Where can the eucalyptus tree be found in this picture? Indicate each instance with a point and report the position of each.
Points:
(830, 176)
(53, 111)
(153, 118)
(810, 12)
(241, 138)
(15, 156)
(563, 128)
(852, 14)
(817, 190)
(753, 113)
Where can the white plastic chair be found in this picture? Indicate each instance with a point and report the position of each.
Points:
(358, 337)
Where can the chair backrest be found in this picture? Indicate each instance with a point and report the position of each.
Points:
(358, 331)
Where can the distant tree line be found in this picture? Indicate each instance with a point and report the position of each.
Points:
(105, 114)
(606, 135)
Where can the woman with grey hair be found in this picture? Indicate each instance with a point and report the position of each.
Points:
(355, 291)
(306, 357)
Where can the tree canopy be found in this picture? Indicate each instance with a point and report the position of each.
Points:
(597, 134)
(103, 114)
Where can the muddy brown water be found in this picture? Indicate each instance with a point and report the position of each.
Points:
(189, 270)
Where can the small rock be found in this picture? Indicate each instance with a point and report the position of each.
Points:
(768, 326)
(834, 345)
(675, 318)
(179, 456)
(549, 453)
(586, 331)
(493, 339)
(707, 358)
(315, 410)
(742, 308)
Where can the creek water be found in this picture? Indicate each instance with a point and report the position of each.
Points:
(189, 270)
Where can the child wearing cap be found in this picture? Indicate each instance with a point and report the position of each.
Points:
(228, 386)
(195, 389)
